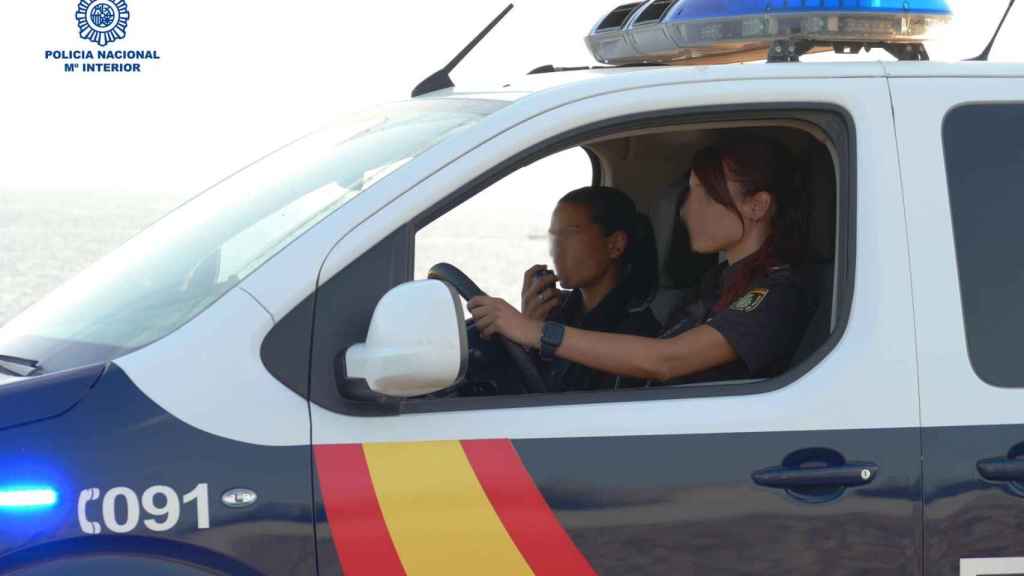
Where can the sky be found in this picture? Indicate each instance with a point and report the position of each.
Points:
(237, 79)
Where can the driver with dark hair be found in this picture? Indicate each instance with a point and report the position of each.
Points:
(606, 262)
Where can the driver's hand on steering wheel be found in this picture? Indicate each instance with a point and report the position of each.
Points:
(539, 295)
(496, 316)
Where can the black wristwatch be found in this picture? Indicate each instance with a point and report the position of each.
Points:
(550, 339)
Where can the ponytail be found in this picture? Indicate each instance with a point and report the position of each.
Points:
(640, 262)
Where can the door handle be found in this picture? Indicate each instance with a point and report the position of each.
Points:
(845, 476)
(1002, 469)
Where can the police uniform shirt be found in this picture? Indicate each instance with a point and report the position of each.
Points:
(764, 326)
(616, 313)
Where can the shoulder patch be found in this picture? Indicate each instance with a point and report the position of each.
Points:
(750, 301)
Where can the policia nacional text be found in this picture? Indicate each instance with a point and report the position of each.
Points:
(102, 55)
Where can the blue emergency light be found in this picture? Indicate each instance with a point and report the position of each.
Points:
(697, 9)
(673, 31)
(27, 497)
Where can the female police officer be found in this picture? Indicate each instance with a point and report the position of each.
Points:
(604, 253)
(746, 318)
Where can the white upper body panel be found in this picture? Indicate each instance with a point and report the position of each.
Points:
(953, 69)
(874, 360)
(952, 394)
(208, 374)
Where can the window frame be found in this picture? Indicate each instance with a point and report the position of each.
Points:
(832, 120)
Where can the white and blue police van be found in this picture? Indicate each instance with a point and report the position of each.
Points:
(261, 384)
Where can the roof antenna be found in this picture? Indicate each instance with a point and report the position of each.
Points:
(440, 80)
(983, 57)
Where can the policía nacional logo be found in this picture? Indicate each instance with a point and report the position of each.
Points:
(102, 21)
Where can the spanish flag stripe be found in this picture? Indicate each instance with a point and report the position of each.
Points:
(439, 517)
(526, 515)
(357, 526)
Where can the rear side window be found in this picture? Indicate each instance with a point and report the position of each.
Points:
(984, 151)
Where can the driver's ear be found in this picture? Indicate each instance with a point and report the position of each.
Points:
(617, 245)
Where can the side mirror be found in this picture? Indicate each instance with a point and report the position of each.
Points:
(416, 343)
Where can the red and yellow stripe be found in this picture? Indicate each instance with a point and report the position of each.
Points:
(453, 508)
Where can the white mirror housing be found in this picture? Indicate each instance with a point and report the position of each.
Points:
(416, 343)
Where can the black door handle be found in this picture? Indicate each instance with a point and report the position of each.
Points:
(846, 476)
(1002, 469)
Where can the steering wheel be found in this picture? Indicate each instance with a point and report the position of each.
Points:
(468, 289)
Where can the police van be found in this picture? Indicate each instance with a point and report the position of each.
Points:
(260, 383)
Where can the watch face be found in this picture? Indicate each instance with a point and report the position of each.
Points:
(552, 333)
(550, 339)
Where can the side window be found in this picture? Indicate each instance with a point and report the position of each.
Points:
(500, 232)
(985, 168)
(494, 232)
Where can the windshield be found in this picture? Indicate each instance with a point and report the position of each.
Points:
(172, 271)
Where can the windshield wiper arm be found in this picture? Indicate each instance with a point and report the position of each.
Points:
(18, 366)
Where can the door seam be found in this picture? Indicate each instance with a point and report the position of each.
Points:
(913, 314)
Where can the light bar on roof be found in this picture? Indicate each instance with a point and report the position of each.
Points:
(608, 36)
(669, 31)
